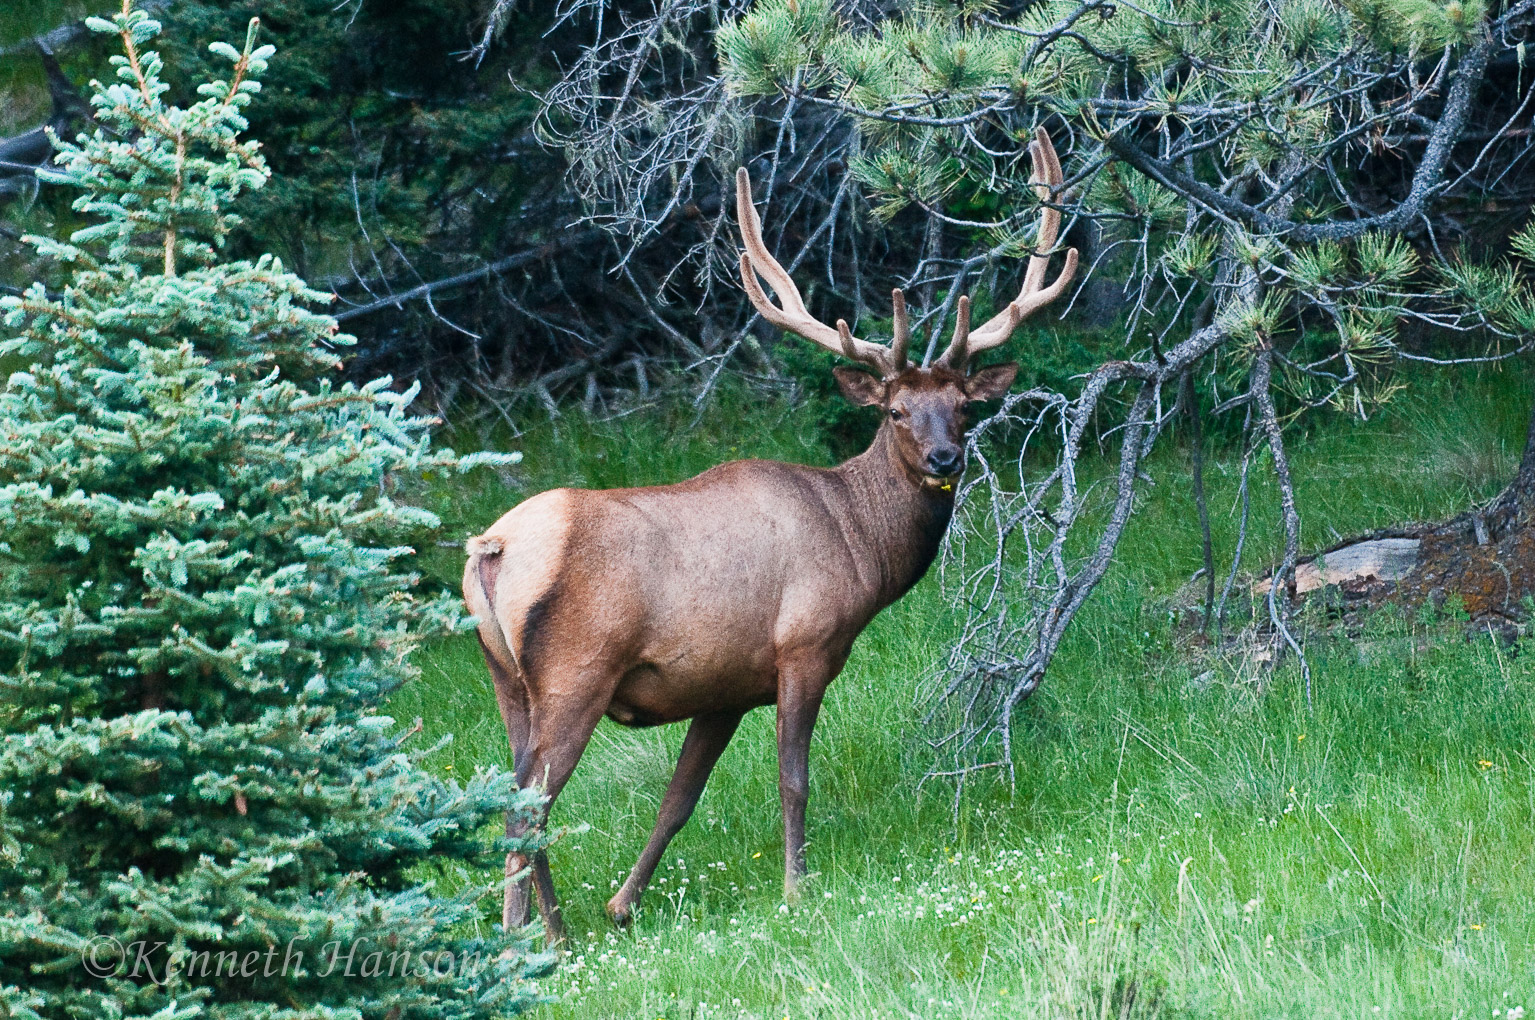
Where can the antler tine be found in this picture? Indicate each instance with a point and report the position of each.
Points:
(957, 353)
(792, 316)
(1047, 171)
(846, 340)
(1033, 295)
(900, 341)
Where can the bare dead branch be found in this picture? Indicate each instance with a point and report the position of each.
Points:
(570, 239)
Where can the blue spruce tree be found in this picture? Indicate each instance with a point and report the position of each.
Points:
(205, 590)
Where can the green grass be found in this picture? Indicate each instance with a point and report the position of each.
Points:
(1169, 849)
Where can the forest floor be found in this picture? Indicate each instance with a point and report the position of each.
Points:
(1181, 841)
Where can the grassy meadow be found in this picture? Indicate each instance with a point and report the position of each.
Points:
(1179, 843)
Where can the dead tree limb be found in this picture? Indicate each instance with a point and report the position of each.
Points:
(1197, 457)
(1284, 577)
(572, 239)
(1007, 560)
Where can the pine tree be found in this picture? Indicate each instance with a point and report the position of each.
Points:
(205, 590)
(1294, 196)
(1330, 152)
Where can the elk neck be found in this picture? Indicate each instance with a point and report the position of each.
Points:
(891, 521)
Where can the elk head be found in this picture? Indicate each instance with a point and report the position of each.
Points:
(924, 406)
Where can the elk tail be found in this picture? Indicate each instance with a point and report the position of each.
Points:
(485, 564)
(485, 545)
(481, 572)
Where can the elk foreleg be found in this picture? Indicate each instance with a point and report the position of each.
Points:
(705, 742)
(801, 686)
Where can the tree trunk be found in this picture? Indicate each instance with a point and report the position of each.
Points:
(1512, 507)
(1481, 561)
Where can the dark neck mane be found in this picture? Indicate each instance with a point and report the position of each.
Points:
(894, 523)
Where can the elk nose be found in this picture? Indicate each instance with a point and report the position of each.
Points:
(945, 461)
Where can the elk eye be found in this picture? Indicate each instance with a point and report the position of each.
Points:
(895, 414)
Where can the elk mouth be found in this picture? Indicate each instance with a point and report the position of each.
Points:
(943, 483)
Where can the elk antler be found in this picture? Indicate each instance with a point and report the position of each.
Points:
(1033, 296)
(756, 260)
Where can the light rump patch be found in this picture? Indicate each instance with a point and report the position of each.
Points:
(528, 544)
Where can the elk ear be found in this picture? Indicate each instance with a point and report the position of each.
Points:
(991, 383)
(860, 388)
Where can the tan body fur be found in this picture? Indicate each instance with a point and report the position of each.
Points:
(687, 588)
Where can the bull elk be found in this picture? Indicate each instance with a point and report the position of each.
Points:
(742, 587)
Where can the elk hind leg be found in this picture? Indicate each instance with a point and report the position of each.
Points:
(701, 749)
(512, 698)
(560, 731)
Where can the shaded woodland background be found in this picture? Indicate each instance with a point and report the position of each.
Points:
(434, 167)
(526, 208)
(423, 187)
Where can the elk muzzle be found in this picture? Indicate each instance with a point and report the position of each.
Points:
(944, 463)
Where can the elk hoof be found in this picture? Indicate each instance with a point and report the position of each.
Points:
(621, 911)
